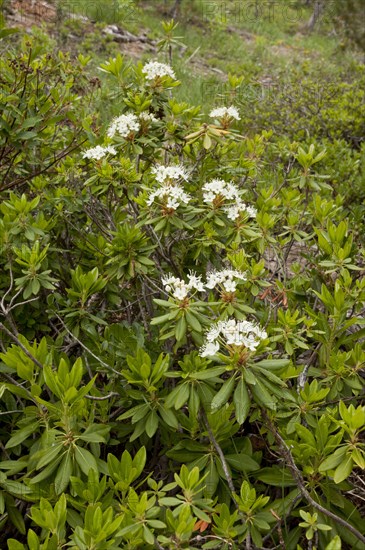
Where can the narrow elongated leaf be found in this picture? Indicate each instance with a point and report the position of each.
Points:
(95, 433)
(64, 473)
(193, 322)
(168, 416)
(343, 470)
(332, 461)
(49, 455)
(224, 394)
(21, 435)
(48, 470)
(273, 364)
(151, 424)
(242, 462)
(208, 374)
(85, 460)
(262, 396)
(178, 397)
(242, 401)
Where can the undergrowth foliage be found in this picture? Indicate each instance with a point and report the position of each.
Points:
(182, 326)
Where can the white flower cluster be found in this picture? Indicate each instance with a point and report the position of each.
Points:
(225, 278)
(232, 332)
(227, 191)
(225, 112)
(98, 152)
(145, 116)
(168, 173)
(174, 194)
(153, 70)
(179, 288)
(234, 210)
(124, 125)
(216, 187)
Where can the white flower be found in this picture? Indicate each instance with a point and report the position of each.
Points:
(216, 187)
(251, 211)
(209, 349)
(179, 288)
(145, 116)
(168, 173)
(230, 285)
(153, 70)
(124, 125)
(225, 112)
(225, 278)
(213, 333)
(232, 332)
(227, 191)
(98, 152)
(195, 282)
(233, 211)
(172, 195)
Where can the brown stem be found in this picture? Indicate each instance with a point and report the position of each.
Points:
(221, 456)
(23, 348)
(288, 457)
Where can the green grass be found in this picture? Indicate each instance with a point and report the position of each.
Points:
(218, 41)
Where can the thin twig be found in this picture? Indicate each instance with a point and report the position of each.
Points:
(104, 398)
(221, 456)
(29, 177)
(85, 347)
(302, 378)
(22, 347)
(288, 457)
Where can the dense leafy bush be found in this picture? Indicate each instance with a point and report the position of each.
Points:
(41, 102)
(182, 326)
(348, 16)
(298, 106)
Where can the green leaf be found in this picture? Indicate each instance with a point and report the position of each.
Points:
(207, 142)
(180, 329)
(64, 473)
(168, 416)
(12, 543)
(212, 480)
(262, 396)
(178, 397)
(332, 461)
(242, 462)
(193, 322)
(224, 394)
(279, 477)
(49, 454)
(139, 461)
(335, 544)
(241, 400)
(16, 517)
(85, 460)
(273, 364)
(33, 540)
(169, 501)
(95, 433)
(151, 424)
(21, 435)
(48, 470)
(207, 374)
(343, 470)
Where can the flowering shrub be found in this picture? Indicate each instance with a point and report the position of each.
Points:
(182, 326)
